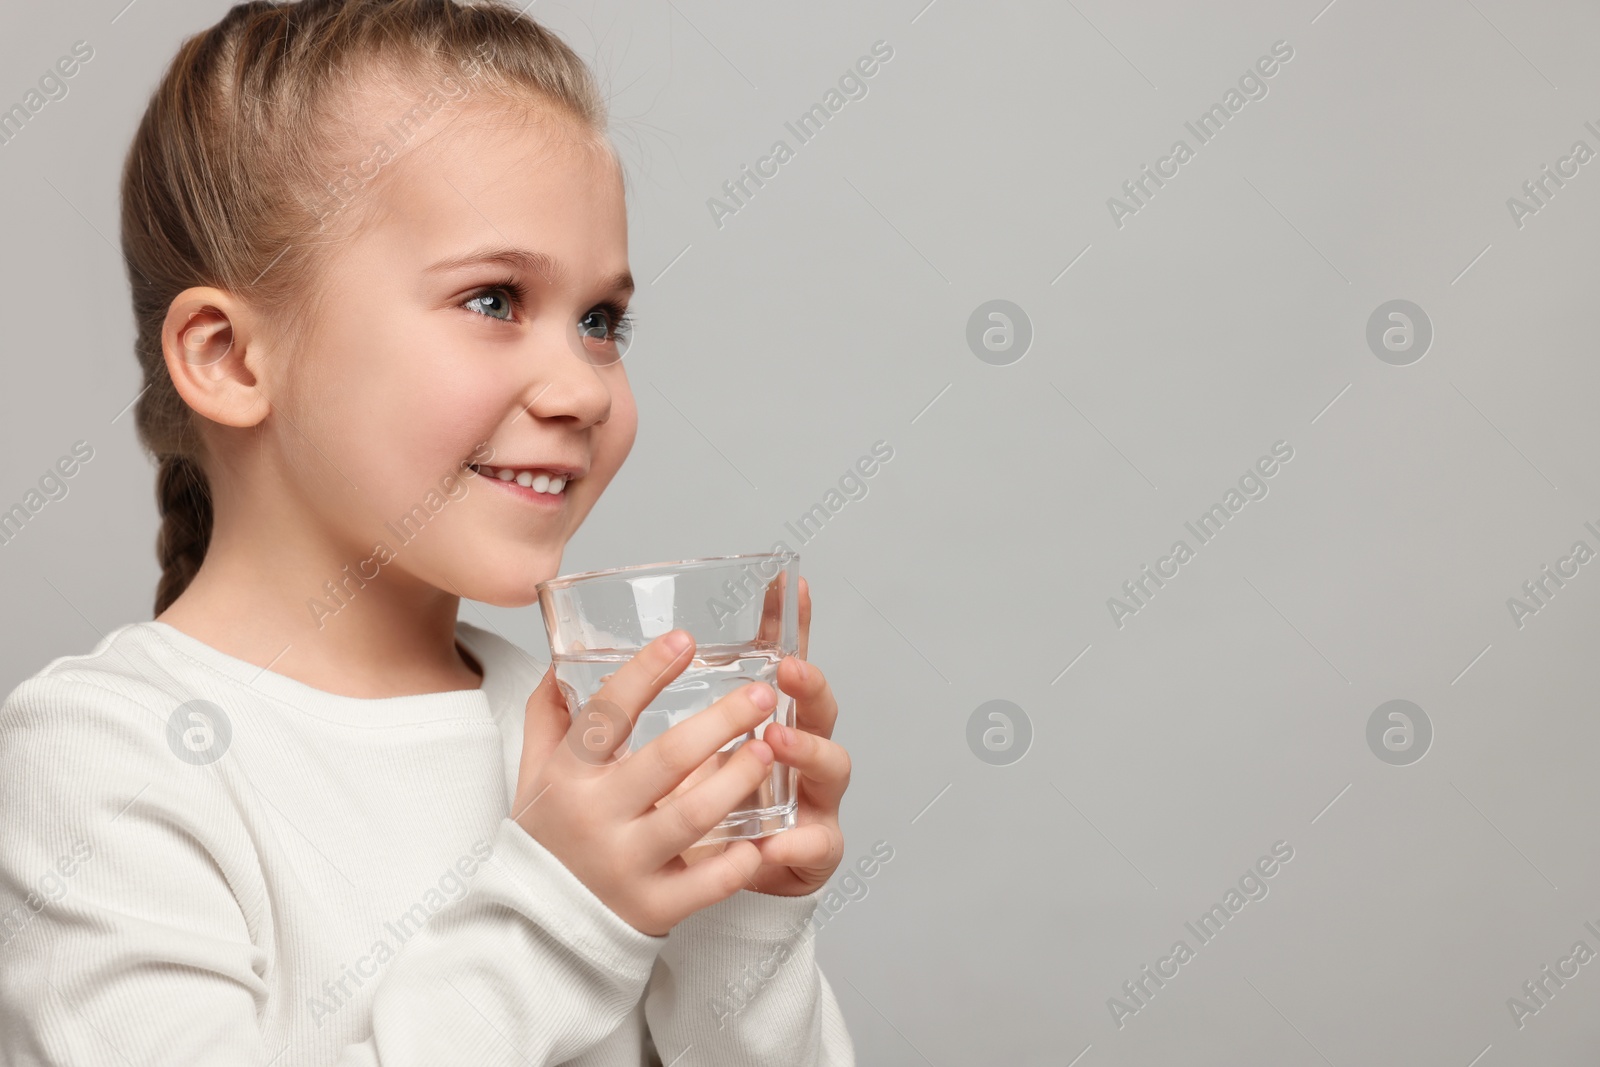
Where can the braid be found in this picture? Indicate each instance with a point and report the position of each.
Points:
(185, 501)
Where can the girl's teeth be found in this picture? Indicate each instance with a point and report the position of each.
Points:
(539, 483)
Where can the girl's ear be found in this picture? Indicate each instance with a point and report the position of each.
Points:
(207, 340)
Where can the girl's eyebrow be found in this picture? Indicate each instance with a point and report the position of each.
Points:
(528, 261)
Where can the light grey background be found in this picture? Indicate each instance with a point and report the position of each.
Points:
(1228, 314)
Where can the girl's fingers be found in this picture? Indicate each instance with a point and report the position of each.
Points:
(824, 765)
(816, 708)
(714, 878)
(689, 750)
(816, 847)
(545, 722)
(606, 719)
(682, 820)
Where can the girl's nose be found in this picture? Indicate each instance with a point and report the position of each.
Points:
(566, 384)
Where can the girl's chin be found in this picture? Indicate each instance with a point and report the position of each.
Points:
(502, 569)
(516, 590)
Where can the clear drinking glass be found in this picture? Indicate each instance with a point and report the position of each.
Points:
(744, 615)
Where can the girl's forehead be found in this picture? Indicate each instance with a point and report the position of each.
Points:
(494, 175)
(520, 142)
(400, 131)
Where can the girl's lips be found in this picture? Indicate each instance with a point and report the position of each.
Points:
(554, 501)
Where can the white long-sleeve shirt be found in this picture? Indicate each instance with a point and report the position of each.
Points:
(307, 878)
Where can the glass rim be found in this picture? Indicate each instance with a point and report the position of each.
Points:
(563, 580)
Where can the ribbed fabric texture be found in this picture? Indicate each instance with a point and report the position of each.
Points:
(307, 878)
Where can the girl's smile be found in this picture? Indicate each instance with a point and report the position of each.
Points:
(540, 485)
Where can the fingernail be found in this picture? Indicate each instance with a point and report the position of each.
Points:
(777, 732)
(763, 697)
(676, 642)
(805, 670)
(765, 754)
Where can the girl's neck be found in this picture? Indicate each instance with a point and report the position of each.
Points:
(379, 647)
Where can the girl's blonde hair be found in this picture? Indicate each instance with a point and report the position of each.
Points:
(227, 183)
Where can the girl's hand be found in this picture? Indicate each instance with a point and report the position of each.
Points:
(797, 861)
(594, 805)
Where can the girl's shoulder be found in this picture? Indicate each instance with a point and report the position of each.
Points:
(109, 782)
(106, 723)
(102, 742)
(129, 668)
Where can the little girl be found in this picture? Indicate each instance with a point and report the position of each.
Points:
(378, 252)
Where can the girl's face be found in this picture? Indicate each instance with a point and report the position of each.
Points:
(472, 317)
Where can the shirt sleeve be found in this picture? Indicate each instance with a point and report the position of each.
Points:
(135, 927)
(738, 983)
(531, 952)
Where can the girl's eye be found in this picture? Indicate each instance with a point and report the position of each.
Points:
(495, 303)
(606, 326)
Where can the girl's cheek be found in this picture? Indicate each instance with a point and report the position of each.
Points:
(462, 404)
(624, 410)
(624, 426)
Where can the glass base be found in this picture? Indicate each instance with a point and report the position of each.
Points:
(753, 824)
